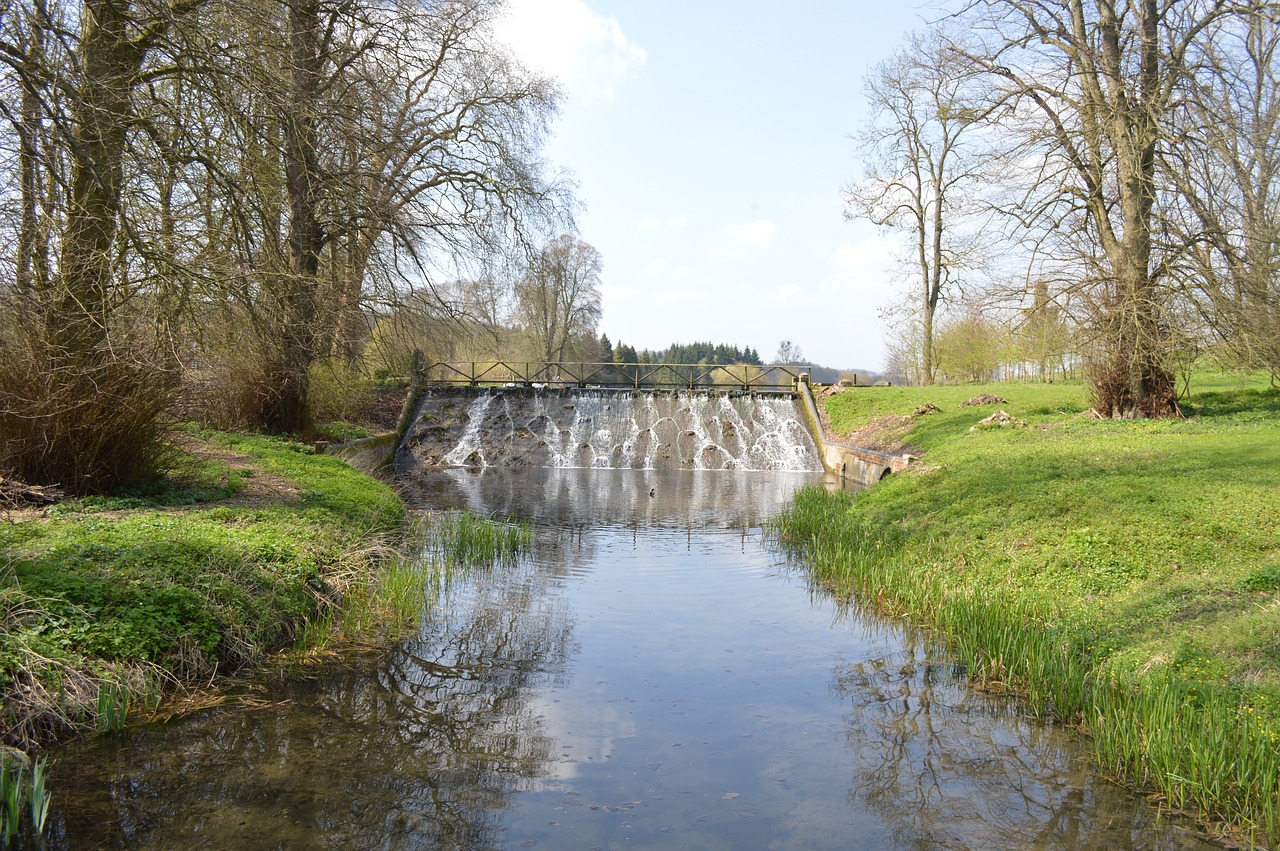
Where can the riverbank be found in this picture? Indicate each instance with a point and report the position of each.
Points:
(108, 604)
(1123, 576)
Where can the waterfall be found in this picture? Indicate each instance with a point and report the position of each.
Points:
(470, 448)
(518, 427)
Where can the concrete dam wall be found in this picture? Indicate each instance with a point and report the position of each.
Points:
(569, 428)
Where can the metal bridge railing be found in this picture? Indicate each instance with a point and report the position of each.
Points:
(634, 376)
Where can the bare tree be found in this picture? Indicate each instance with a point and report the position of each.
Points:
(399, 143)
(788, 353)
(558, 299)
(83, 389)
(445, 161)
(1223, 161)
(1103, 78)
(265, 162)
(923, 164)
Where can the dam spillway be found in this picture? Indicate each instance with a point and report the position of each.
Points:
(577, 428)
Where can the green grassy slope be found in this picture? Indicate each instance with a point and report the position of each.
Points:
(1124, 575)
(138, 590)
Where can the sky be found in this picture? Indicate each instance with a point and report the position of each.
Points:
(710, 141)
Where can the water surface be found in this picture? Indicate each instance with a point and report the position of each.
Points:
(652, 677)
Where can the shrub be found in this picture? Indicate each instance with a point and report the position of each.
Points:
(87, 423)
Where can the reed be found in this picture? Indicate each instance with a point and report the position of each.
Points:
(12, 793)
(407, 587)
(316, 632)
(384, 605)
(113, 706)
(465, 539)
(22, 794)
(38, 796)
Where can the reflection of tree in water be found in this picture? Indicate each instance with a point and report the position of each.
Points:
(423, 752)
(929, 761)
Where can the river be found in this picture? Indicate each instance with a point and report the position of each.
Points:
(651, 676)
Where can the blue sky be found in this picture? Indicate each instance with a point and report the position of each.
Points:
(710, 141)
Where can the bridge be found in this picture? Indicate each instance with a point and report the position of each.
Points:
(743, 378)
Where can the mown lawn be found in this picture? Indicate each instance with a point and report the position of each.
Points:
(1124, 575)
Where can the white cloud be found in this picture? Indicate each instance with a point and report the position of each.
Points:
(611, 292)
(861, 270)
(794, 293)
(656, 223)
(659, 272)
(588, 53)
(737, 241)
(668, 284)
(678, 297)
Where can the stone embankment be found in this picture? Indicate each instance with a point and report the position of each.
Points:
(861, 465)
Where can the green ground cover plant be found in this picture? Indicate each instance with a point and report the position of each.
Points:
(253, 548)
(1124, 576)
(107, 601)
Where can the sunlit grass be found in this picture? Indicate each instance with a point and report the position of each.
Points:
(465, 539)
(1123, 576)
(177, 581)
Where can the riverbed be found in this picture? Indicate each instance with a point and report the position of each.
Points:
(652, 675)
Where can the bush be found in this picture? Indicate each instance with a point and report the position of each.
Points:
(338, 392)
(88, 423)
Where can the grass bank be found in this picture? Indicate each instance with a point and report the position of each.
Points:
(108, 603)
(1123, 576)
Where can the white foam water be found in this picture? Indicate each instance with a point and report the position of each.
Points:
(636, 430)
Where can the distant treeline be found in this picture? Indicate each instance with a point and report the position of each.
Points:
(720, 354)
(708, 354)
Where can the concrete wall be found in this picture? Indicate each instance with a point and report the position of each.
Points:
(853, 463)
(375, 454)
(369, 454)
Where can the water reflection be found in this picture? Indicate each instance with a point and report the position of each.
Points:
(716, 498)
(422, 750)
(946, 767)
(651, 677)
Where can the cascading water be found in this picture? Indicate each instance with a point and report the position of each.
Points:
(470, 447)
(598, 428)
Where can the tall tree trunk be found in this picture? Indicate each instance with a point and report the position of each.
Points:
(111, 61)
(1134, 381)
(286, 404)
(32, 262)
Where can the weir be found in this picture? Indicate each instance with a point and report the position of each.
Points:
(618, 429)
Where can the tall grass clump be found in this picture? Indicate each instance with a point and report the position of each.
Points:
(24, 797)
(1204, 749)
(409, 580)
(465, 539)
